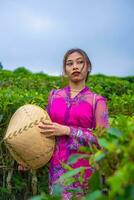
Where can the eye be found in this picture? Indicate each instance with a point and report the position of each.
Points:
(69, 64)
(80, 62)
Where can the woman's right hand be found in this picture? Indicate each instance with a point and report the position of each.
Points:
(22, 168)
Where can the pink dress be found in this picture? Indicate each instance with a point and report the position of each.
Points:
(81, 114)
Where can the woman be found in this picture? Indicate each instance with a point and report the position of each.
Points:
(75, 111)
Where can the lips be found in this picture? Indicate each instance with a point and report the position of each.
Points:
(75, 73)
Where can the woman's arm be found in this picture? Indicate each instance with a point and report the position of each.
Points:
(85, 135)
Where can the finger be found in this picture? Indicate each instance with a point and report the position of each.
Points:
(47, 122)
(47, 131)
(46, 128)
(22, 168)
(44, 124)
(50, 135)
(42, 127)
(47, 125)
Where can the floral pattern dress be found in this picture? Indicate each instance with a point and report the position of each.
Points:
(82, 114)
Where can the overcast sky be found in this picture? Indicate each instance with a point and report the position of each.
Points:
(37, 33)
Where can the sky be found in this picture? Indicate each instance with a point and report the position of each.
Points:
(37, 33)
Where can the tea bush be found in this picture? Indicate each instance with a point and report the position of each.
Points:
(114, 176)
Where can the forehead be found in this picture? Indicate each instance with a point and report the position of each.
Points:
(74, 56)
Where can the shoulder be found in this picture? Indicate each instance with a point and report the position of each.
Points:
(57, 92)
(95, 96)
(99, 97)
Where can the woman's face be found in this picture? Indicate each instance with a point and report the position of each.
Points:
(76, 67)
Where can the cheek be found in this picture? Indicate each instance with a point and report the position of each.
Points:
(85, 69)
(85, 72)
(67, 71)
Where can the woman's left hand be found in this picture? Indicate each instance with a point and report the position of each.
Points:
(53, 129)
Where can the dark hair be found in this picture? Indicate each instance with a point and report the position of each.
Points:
(83, 53)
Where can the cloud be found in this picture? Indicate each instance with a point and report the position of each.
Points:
(35, 23)
(36, 34)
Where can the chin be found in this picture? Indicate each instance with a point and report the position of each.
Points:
(76, 80)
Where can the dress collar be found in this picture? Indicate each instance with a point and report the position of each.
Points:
(68, 90)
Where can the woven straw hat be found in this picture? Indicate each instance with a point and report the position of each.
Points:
(26, 144)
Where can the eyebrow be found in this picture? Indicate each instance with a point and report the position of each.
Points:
(76, 59)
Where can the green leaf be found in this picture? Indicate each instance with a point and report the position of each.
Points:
(71, 173)
(67, 167)
(75, 157)
(115, 132)
(94, 195)
(85, 149)
(1, 117)
(94, 182)
(57, 189)
(99, 156)
(36, 198)
(103, 142)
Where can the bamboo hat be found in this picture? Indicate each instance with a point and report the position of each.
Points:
(26, 144)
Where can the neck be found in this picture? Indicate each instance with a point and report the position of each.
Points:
(77, 86)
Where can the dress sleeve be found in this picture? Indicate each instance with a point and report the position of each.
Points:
(101, 114)
(47, 107)
(85, 135)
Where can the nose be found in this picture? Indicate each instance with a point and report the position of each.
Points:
(75, 66)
